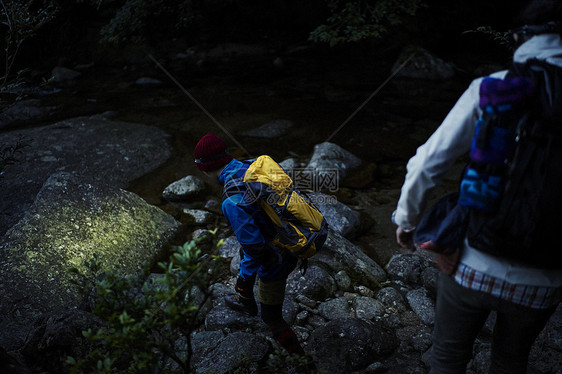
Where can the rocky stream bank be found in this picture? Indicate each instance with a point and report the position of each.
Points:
(104, 185)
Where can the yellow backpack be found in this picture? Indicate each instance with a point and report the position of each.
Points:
(300, 226)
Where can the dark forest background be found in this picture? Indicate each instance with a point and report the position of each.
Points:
(40, 34)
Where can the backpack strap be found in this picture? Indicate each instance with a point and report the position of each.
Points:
(232, 187)
(235, 185)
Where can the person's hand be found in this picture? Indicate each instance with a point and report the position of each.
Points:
(405, 239)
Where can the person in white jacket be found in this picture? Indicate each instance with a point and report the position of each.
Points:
(524, 297)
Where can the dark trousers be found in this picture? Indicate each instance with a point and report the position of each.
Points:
(459, 316)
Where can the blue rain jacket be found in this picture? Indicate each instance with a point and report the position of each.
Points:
(254, 231)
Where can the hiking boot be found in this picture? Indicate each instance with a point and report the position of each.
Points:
(242, 304)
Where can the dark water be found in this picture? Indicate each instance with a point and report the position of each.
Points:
(318, 93)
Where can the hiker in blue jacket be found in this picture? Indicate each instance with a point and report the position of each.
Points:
(254, 231)
(524, 295)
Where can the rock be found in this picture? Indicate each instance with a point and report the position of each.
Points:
(214, 206)
(335, 308)
(55, 336)
(422, 305)
(391, 298)
(83, 146)
(545, 356)
(289, 164)
(343, 280)
(219, 291)
(315, 321)
(308, 302)
(198, 216)
(429, 278)
(232, 352)
(406, 267)
(222, 317)
(339, 216)
(330, 163)
(421, 339)
(203, 342)
(62, 74)
(235, 265)
(376, 367)
(25, 111)
(344, 345)
(69, 223)
(368, 308)
(290, 309)
(270, 130)
(230, 247)
(203, 236)
(423, 65)
(316, 284)
(364, 291)
(148, 82)
(185, 189)
(339, 253)
(198, 298)
(410, 318)
(302, 333)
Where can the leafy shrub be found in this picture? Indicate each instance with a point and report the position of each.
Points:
(148, 324)
(502, 38)
(137, 20)
(22, 18)
(352, 21)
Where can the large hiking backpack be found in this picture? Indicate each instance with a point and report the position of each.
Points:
(516, 163)
(300, 227)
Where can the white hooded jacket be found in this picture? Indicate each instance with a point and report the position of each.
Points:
(451, 140)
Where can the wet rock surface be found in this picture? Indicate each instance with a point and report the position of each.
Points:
(70, 223)
(100, 150)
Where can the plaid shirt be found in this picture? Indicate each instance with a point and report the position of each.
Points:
(530, 296)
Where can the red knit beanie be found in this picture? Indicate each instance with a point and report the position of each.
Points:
(211, 153)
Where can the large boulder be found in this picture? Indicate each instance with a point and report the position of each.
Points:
(26, 110)
(55, 336)
(71, 223)
(233, 351)
(339, 253)
(62, 74)
(339, 216)
(100, 150)
(407, 268)
(422, 65)
(345, 345)
(329, 164)
(316, 283)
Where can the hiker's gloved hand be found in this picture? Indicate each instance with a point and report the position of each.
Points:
(405, 238)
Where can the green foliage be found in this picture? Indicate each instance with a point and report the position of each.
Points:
(502, 38)
(148, 325)
(8, 153)
(352, 21)
(138, 19)
(22, 19)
